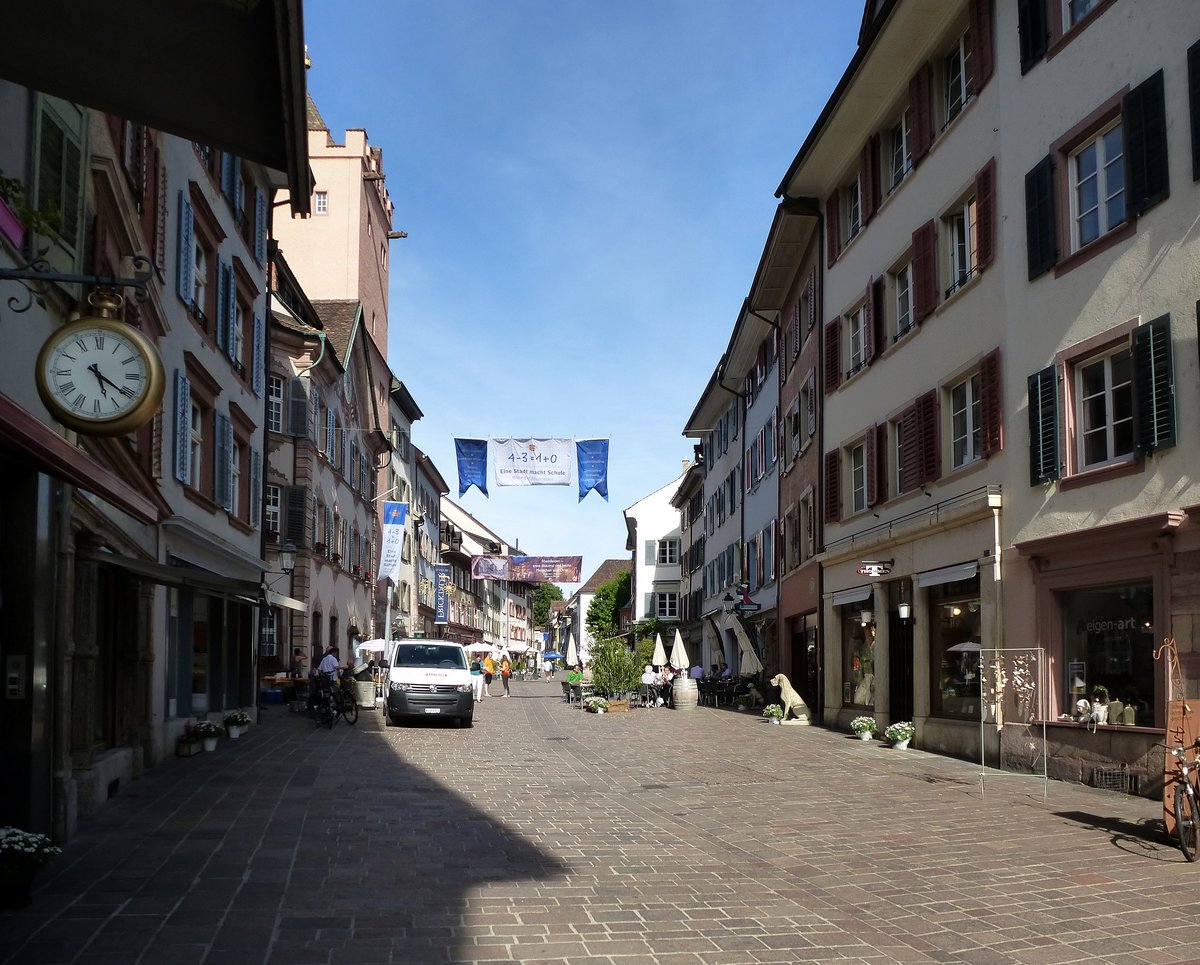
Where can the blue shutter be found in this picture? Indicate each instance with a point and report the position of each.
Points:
(258, 361)
(329, 437)
(255, 487)
(222, 464)
(297, 407)
(260, 226)
(222, 307)
(230, 309)
(228, 163)
(183, 427)
(183, 254)
(239, 191)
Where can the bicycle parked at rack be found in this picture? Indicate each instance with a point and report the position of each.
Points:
(1187, 811)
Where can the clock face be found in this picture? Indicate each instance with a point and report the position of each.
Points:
(100, 376)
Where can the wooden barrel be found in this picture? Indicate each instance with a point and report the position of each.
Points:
(683, 691)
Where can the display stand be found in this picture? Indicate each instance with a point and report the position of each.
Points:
(1012, 680)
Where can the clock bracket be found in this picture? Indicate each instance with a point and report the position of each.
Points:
(36, 275)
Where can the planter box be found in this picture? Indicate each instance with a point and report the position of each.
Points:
(184, 749)
(618, 706)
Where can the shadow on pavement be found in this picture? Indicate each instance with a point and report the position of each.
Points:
(1147, 837)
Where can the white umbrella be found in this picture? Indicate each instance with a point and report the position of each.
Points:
(659, 657)
(572, 653)
(517, 647)
(679, 654)
(374, 646)
(481, 648)
(748, 659)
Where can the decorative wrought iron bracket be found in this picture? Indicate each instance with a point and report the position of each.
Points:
(36, 275)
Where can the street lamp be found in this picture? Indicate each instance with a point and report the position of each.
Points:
(287, 558)
(727, 603)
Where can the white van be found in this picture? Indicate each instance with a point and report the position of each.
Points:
(430, 678)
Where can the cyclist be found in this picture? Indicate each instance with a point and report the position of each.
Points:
(324, 676)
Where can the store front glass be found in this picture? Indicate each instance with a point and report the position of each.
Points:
(1108, 639)
(955, 640)
(858, 651)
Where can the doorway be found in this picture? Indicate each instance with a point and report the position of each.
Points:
(900, 667)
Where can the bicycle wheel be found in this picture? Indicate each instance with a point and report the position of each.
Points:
(349, 708)
(1186, 828)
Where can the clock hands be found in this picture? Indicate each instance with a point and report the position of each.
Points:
(102, 378)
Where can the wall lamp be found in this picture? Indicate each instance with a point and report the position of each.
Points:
(904, 611)
(867, 617)
(287, 558)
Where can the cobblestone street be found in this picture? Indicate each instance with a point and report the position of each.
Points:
(547, 835)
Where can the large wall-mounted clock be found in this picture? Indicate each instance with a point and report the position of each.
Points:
(99, 375)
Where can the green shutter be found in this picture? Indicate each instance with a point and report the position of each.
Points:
(1043, 426)
(1154, 390)
(1144, 120)
(1040, 232)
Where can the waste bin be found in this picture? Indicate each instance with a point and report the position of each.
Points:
(366, 693)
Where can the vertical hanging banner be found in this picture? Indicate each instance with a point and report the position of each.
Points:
(593, 467)
(532, 462)
(441, 598)
(394, 516)
(472, 464)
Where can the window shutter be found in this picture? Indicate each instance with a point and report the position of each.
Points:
(833, 355)
(312, 519)
(876, 317)
(881, 476)
(258, 361)
(314, 419)
(910, 444)
(1154, 385)
(1031, 26)
(183, 427)
(223, 320)
(868, 178)
(833, 486)
(297, 498)
(747, 470)
(1193, 62)
(991, 403)
(1144, 122)
(297, 407)
(920, 105)
(352, 464)
(238, 189)
(833, 242)
(255, 487)
(183, 252)
(223, 464)
(812, 299)
(985, 213)
(868, 324)
(649, 605)
(812, 401)
(924, 271)
(928, 426)
(980, 20)
(1043, 426)
(329, 436)
(650, 548)
(870, 469)
(260, 226)
(1041, 239)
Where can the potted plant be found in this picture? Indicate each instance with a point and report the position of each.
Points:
(597, 705)
(208, 732)
(235, 721)
(773, 713)
(22, 856)
(900, 733)
(864, 727)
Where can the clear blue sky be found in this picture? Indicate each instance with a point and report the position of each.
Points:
(587, 188)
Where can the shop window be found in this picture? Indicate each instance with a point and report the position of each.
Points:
(954, 643)
(858, 650)
(1108, 639)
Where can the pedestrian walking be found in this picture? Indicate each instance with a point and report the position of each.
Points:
(547, 667)
(489, 671)
(505, 673)
(477, 679)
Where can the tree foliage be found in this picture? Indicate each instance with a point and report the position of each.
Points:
(601, 619)
(543, 595)
(615, 669)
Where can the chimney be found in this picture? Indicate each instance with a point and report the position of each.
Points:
(686, 465)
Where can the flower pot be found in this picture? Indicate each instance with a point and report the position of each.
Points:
(599, 710)
(866, 735)
(210, 743)
(233, 730)
(902, 745)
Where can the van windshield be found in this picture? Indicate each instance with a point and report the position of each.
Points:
(430, 655)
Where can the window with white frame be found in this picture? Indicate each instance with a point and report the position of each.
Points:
(966, 429)
(896, 431)
(274, 403)
(899, 153)
(273, 508)
(902, 299)
(857, 339)
(1077, 10)
(199, 277)
(852, 196)
(321, 203)
(962, 228)
(196, 444)
(957, 70)
(237, 332)
(666, 606)
(858, 477)
(1097, 172)
(1104, 408)
(808, 527)
(668, 551)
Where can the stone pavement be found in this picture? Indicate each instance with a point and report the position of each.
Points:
(655, 837)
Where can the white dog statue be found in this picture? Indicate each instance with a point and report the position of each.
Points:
(793, 703)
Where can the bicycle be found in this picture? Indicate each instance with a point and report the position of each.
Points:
(1187, 821)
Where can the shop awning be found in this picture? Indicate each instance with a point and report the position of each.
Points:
(856, 594)
(288, 602)
(225, 74)
(948, 574)
(244, 591)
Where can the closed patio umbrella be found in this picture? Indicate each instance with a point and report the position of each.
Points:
(748, 661)
(679, 654)
(659, 658)
(572, 653)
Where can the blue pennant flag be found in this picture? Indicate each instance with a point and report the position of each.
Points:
(472, 464)
(591, 456)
